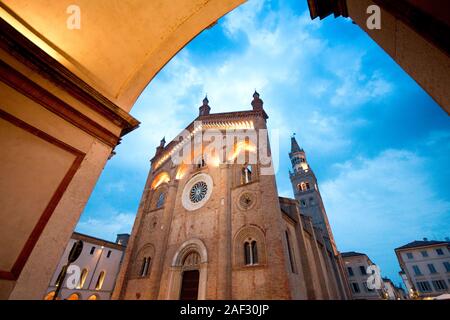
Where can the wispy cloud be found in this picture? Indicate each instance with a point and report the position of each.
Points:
(377, 204)
(107, 227)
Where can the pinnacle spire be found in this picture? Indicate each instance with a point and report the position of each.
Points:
(257, 103)
(204, 109)
(294, 145)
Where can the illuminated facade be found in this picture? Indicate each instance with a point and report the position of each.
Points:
(99, 264)
(213, 227)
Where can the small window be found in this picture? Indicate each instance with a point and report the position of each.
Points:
(355, 287)
(410, 255)
(303, 202)
(447, 266)
(362, 269)
(201, 163)
(424, 286)
(100, 280)
(350, 271)
(108, 254)
(247, 174)
(431, 268)
(424, 253)
(439, 285)
(440, 252)
(290, 253)
(417, 271)
(251, 253)
(92, 251)
(160, 201)
(83, 276)
(145, 266)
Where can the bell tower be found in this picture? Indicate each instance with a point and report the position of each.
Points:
(306, 191)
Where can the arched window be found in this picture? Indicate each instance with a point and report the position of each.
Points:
(290, 252)
(83, 276)
(249, 247)
(304, 186)
(160, 201)
(101, 278)
(250, 252)
(246, 174)
(143, 261)
(50, 295)
(93, 297)
(191, 260)
(201, 162)
(73, 296)
(145, 266)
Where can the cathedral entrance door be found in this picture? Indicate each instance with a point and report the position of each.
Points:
(189, 285)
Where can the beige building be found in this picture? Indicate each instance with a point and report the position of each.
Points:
(99, 264)
(425, 267)
(391, 291)
(356, 266)
(66, 94)
(209, 229)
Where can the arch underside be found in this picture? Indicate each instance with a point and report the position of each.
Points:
(120, 45)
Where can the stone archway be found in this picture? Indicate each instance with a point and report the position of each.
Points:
(191, 257)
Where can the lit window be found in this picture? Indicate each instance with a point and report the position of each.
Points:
(83, 276)
(50, 295)
(74, 296)
(101, 278)
(93, 297)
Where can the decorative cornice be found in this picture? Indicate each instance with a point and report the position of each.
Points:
(323, 8)
(38, 60)
(222, 121)
(28, 88)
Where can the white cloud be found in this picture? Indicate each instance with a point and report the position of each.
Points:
(384, 202)
(107, 227)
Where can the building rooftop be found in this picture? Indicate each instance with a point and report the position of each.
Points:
(422, 243)
(351, 254)
(98, 241)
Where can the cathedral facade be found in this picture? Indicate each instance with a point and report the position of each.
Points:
(212, 226)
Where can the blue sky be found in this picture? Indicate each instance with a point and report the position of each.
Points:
(378, 144)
